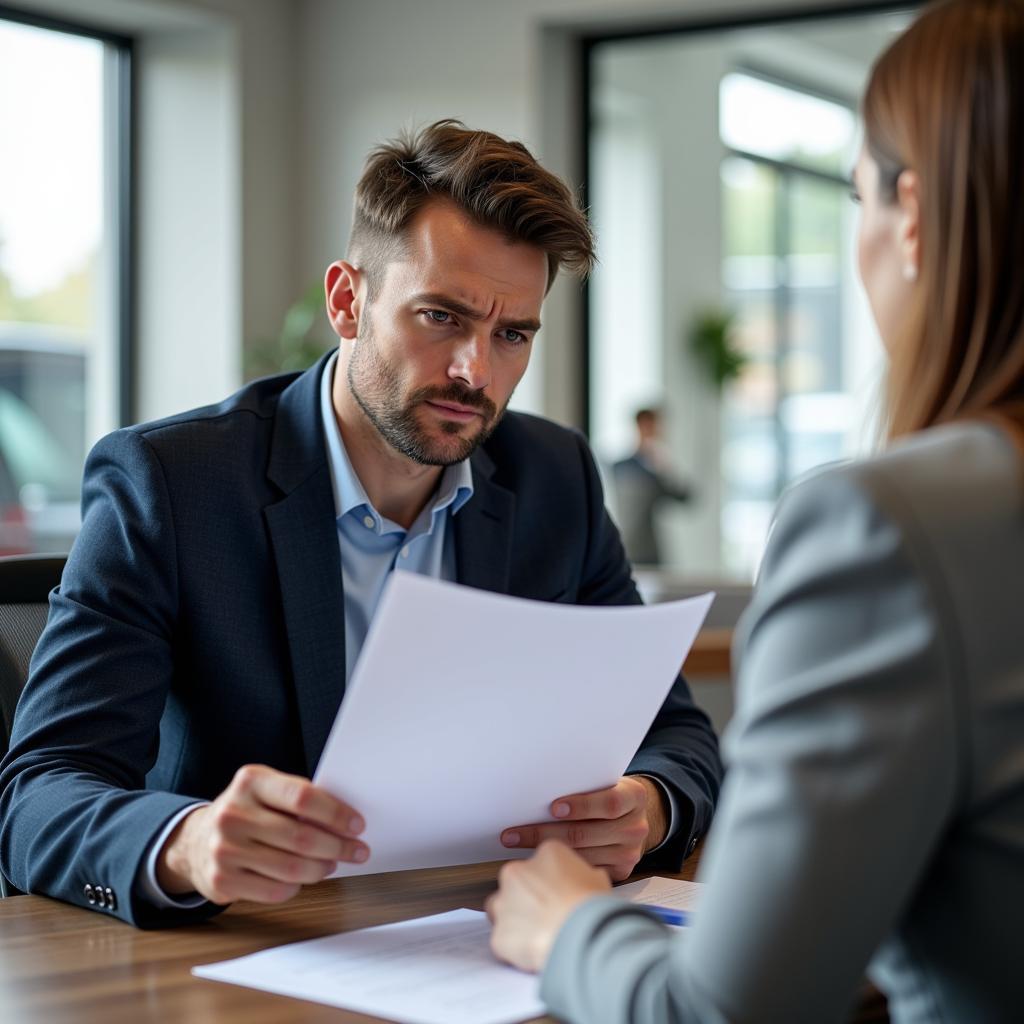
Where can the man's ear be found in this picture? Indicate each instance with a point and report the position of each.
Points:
(344, 303)
(909, 199)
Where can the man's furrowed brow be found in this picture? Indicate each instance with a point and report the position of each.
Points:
(527, 324)
(452, 305)
(461, 309)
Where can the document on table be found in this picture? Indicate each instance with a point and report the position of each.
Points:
(469, 712)
(433, 970)
(661, 892)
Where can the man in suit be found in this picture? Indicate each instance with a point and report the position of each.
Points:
(231, 559)
(643, 481)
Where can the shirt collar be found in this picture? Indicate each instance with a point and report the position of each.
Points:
(453, 491)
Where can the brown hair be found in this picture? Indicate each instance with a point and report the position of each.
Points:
(946, 99)
(497, 183)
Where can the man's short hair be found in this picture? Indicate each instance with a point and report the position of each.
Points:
(649, 414)
(495, 182)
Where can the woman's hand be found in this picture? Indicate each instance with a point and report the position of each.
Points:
(534, 899)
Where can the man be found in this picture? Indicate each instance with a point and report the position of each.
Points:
(231, 558)
(642, 482)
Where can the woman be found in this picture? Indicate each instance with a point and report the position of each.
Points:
(874, 806)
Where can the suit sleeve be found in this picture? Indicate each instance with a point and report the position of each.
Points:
(674, 488)
(74, 810)
(680, 749)
(841, 781)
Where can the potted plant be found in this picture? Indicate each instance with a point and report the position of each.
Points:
(713, 344)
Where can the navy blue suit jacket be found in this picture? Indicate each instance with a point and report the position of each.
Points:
(199, 627)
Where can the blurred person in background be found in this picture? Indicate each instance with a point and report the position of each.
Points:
(643, 482)
(873, 810)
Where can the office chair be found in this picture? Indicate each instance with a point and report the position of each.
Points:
(25, 585)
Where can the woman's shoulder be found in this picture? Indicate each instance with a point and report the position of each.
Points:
(954, 477)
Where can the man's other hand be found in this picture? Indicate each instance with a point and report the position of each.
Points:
(263, 838)
(610, 828)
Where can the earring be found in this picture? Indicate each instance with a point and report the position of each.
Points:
(909, 272)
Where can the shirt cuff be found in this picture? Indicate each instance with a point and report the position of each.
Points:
(673, 810)
(149, 888)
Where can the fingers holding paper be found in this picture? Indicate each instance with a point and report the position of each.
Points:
(609, 828)
(264, 837)
(533, 900)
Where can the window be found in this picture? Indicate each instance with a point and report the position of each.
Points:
(63, 260)
(717, 169)
(787, 276)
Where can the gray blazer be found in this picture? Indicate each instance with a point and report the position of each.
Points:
(873, 812)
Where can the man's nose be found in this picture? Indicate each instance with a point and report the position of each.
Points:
(471, 360)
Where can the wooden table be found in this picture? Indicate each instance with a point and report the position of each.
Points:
(62, 963)
(710, 656)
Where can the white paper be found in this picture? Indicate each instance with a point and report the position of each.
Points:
(470, 712)
(661, 892)
(432, 970)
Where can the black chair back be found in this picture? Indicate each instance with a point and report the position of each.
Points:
(25, 585)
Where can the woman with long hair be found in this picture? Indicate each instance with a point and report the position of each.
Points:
(873, 812)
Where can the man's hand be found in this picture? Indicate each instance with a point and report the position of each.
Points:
(265, 836)
(533, 900)
(610, 828)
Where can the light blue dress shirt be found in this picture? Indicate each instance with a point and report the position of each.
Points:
(372, 545)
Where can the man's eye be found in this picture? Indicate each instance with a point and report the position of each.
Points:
(438, 316)
(514, 336)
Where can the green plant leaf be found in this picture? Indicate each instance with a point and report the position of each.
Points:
(712, 344)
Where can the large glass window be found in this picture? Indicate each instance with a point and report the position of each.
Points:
(787, 247)
(726, 295)
(62, 280)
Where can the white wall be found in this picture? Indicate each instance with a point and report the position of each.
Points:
(188, 258)
(217, 145)
(271, 155)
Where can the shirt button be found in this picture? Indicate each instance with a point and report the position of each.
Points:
(368, 522)
(90, 895)
(405, 551)
(111, 898)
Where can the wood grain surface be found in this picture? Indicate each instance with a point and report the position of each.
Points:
(710, 656)
(60, 963)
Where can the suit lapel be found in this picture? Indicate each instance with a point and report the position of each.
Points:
(483, 531)
(304, 537)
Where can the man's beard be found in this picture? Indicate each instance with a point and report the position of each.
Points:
(375, 385)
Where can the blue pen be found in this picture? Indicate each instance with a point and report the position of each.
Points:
(680, 918)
